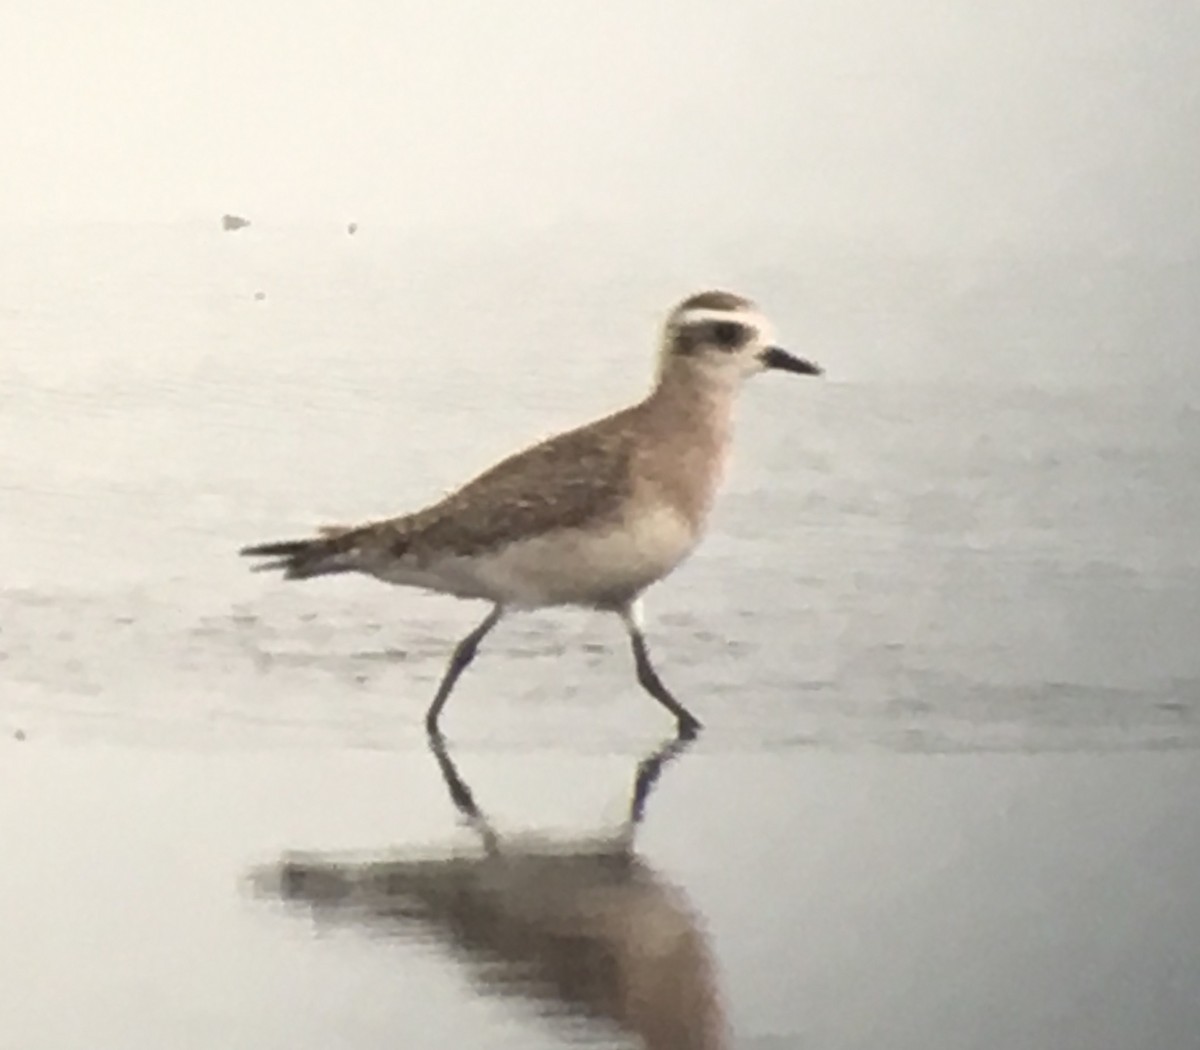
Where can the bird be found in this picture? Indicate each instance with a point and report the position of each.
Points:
(589, 517)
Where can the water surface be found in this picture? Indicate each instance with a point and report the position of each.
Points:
(942, 636)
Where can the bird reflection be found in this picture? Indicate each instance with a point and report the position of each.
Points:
(582, 928)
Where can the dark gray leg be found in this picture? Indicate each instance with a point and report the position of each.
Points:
(463, 655)
(648, 678)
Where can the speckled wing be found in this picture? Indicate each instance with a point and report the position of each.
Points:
(571, 480)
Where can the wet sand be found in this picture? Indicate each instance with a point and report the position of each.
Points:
(844, 900)
(942, 636)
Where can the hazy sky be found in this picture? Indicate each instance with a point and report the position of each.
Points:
(1024, 120)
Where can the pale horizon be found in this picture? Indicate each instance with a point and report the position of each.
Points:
(875, 122)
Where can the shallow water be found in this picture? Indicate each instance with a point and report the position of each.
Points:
(942, 636)
(849, 900)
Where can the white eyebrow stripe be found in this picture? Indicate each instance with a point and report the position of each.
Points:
(701, 315)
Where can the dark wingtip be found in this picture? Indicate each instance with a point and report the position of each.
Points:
(302, 559)
(278, 565)
(282, 556)
(280, 549)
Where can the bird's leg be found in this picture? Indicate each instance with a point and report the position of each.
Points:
(648, 678)
(464, 653)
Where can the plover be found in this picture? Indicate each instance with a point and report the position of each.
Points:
(590, 517)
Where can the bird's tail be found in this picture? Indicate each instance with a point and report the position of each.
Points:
(336, 549)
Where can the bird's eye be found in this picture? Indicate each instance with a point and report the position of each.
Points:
(728, 334)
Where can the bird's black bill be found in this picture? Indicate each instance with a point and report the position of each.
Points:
(776, 357)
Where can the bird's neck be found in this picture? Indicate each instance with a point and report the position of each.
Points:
(696, 401)
(689, 422)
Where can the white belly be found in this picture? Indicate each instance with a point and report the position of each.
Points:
(567, 567)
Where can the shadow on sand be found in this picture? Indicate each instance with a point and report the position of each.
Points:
(579, 928)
